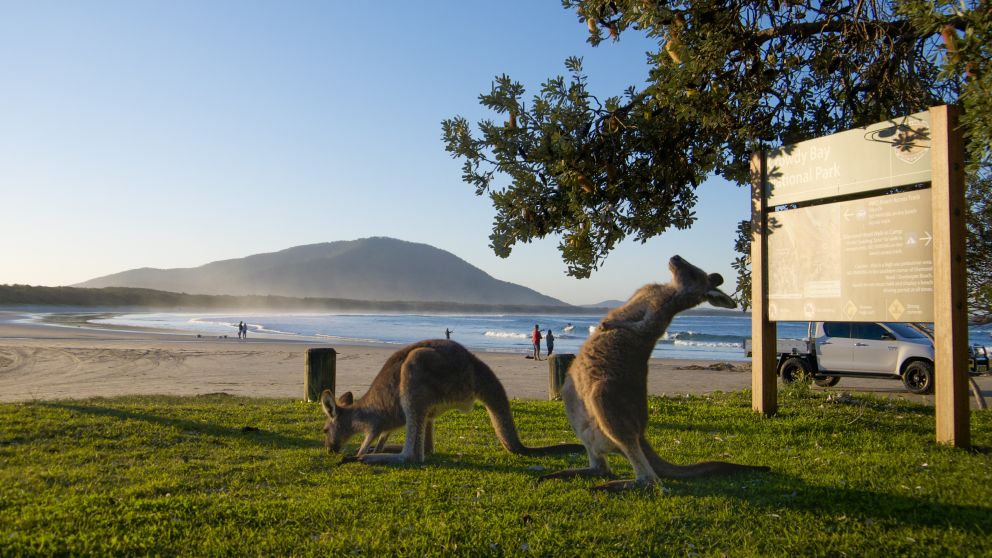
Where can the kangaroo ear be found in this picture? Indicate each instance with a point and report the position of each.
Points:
(346, 398)
(715, 280)
(327, 402)
(718, 298)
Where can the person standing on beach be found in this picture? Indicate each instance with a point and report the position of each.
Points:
(550, 337)
(244, 330)
(535, 337)
(241, 328)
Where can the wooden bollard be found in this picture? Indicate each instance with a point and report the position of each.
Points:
(321, 369)
(557, 372)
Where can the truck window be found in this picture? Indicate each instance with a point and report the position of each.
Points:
(870, 331)
(906, 331)
(837, 329)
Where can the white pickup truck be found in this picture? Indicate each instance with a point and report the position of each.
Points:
(833, 350)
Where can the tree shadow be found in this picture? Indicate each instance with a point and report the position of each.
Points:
(449, 461)
(261, 437)
(776, 491)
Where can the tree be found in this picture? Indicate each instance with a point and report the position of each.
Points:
(979, 248)
(728, 77)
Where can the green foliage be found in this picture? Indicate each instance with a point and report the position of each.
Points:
(183, 476)
(727, 77)
(979, 245)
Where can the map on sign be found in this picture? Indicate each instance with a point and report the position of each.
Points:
(868, 259)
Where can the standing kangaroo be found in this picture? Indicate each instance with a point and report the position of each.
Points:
(416, 384)
(605, 393)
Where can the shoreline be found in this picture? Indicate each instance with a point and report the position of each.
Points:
(73, 359)
(45, 361)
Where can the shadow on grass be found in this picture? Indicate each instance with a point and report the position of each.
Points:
(776, 492)
(769, 493)
(261, 437)
(438, 461)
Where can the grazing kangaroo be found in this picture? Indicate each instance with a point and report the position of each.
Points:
(605, 393)
(416, 384)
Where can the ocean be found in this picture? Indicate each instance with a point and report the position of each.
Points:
(690, 336)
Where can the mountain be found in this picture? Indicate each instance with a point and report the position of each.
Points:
(612, 303)
(377, 268)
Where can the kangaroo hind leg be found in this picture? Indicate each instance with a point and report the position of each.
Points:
(622, 418)
(597, 445)
(644, 473)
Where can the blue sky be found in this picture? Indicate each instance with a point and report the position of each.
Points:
(172, 134)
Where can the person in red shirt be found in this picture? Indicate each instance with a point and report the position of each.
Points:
(535, 337)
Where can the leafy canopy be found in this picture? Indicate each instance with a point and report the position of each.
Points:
(727, 77)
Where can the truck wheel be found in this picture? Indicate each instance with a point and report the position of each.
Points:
(918, 377)
(827, 381)
(794, 369)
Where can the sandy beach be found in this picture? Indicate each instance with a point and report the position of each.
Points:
(44, 362)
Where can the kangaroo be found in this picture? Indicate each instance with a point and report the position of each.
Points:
(605, 393)
(416, 384)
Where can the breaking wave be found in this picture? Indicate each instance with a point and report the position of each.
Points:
(693, 339)
(507, 334)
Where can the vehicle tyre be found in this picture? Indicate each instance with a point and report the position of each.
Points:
(827, 381)
(918, 377)
(793, 369)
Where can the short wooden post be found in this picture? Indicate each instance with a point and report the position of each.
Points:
(558, 365)
(764, 383)
(321, 366)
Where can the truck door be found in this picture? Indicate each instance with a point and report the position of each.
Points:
(834, 346)
(875, 349)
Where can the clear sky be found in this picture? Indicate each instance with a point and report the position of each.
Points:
(176, 133)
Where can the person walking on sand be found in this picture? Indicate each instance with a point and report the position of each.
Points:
(535, 337)
(241, 328)
(550, 339)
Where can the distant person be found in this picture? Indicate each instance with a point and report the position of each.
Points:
(241, 329)
(535, 337)
(550, 339)
(447, 333)
(244, 331)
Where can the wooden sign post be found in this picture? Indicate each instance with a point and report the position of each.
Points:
(949, 275)
(764, 389)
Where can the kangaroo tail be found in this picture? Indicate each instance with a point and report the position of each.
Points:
(668, 470)
(490, 391)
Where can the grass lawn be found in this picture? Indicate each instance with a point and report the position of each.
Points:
(182, 476)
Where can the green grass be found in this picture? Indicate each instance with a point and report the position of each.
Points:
(179, 476)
